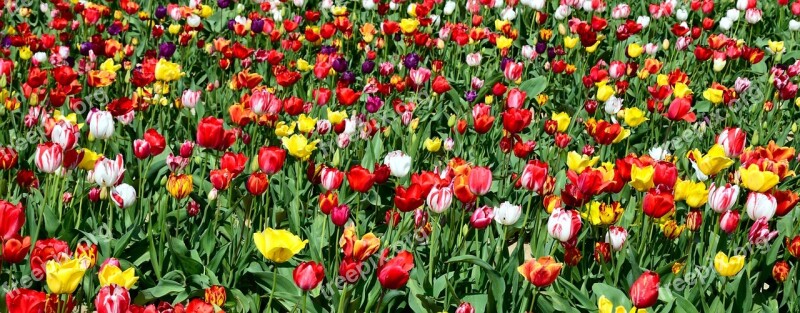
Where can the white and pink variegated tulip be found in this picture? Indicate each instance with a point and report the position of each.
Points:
(108, 172)
(48, 157)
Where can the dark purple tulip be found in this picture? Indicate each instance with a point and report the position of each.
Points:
(541, 47)
(166, 50)
(85, 48)
(411, 60)
(348, 77)
(328, 50)
(161, 12)
(339, 65)
(114, 29)
(223, 3)
(367, 67)
(374, 104)
(504, 62)
(551, 53)
(6, 42)
(231, 23)
(397, 37)
(471, 96)
(257, 26)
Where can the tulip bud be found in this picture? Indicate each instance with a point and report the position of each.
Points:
(340, 215)
(780, 271)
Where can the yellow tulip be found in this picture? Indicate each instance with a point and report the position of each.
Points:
(695, 194)
(64, 277)
(111, 274)
(336, 117)
(25, 53)
(775, 46)
(606, 306)
(339, 10)
(409, 25)
(642, 177)
(303, 66)
(278, 245)
(579, 162)
(562, 119)
(174, 29)
(305, 123)
(634, 117)
(89, 158)
(713, 162)
(756, 180)
(672, 230)
(570, 42)
(433, 144)
(168, 71)
(206, 11)
(624, 133)
(503, 42)
(603, 214)
(728, 267)
(681, 90)
(713, 95)
(604, 92)
(662, 80)
(282, 129)
(635, 50)
(299, 147)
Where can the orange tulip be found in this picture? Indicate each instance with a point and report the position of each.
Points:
(541, 272)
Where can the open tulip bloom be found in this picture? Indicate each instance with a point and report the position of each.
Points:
(399, 156)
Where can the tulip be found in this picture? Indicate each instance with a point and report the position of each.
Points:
(65, 135)
(123, 195)
(190, 98)
(711, 163)
(108, 172)
(480, 180)
(728, 267)
(233, 162)
(299, 147)
(257, 183)
(577, 162)
(760, 205)
(167, 71)
(48, 157)
(672, 230)
(507, 213)
(541, 272)
(350, 271)
(180, 185)
(642, 178)
(199, 306)
(271, 159)
(733, 140)
(8, 158)
(482, 217)
(212, 135)
(666, 174)
(308, 275)
(694, 219)
(644, 291)
(657, 203)
(64, 277)
(15, 249)
(564, 225)
(760, 234)
(358, 249)
(215, 295)
(756, 180)
(399, 163)
(331, 178)
(534, 176)
(23, 300)
(780, 271)
(112, 299)
(695, 194)
(360, 179)
(439, 199)
(616, 237)
(464, 307)
(786, 199)
(101, 124)
(278, 245)
(263, 102)
(394, 274)
(603, 214)
(112, 275)
(433, 144)
(722, 198)
(340, 214)
(141, 149)
(411, 198)
(12, 217)
(793, 246)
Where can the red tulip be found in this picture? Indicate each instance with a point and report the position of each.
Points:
(12, 217)
(25, 301)
(350, 270)
(793, 246)
(233, 162)
(340, 215)
(665, 175)
(515, 99)
(394, 274)
(541, 272)
(658, 203)
(212, 135)
(483, 123)
(644, 291)
(220, 178)
(461, 189)
(516, 120)
(112, 299)
(331, 178)
(308, 275)
(534, 176)
(257, 183)
(427, 180)
(786, 199)
(440, 85)
(780, 271)
(141, 149)
(15, 249)
(271, 159)
(680, 110)
(733, 140)
(381, 173)
(45, 250)
(480, 180)
(199, 306)
(360, 179)
(156, 141)
(8, 158)
(729, 221)
(408, 199)
(215, 295)
(327, 201)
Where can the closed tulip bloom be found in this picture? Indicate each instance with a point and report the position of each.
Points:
(8, 158)
(64, 277)
(728, 267)
(666, 174)
(360, 179)
(331, 178)
(308, 275)
(482, 217)
(694, 219)
(112, 275)
(507, 213)
(616, 237)
(644, 291)
(340, 215)
(257, 183)
(465, 307)
(215, 295)
(65, 134)
(793, 246)
(756, 180)
(101, 124)
(541, 272)
(141, 149)
(394, 274)
(108, 172)
(123, 195)
(733, 140)
(439, 199)
(729, 221)
(534, 176)
(180, 185)
(220, 178)
(212, 135)
(657, 203)
(564, 225)
(399, 163)
(264, 102)
(48, 157)
(112, 299)
(278, 245)
(271, 159)
(480, 180)
(760, 205)
(23, 300)
(12, 217)
(722, 198)
(787, 199)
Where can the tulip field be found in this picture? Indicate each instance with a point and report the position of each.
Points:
(349, 156)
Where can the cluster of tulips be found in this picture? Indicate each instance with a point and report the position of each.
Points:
(399, 155)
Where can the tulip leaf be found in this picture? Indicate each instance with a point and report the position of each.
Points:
(616, 296)
(683, 305)
(164, 287)
(498, 285)
(534, 86)
(185, 258)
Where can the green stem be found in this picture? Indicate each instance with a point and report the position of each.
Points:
(272, 291)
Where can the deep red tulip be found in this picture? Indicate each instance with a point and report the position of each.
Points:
(271, 159)
(340, 215)
(156, 141)
(665, 175)
(394, 274)
(516, 120)
(308, 275)
(212, 135)
(786, 200)
(408, 199)
(25, 301)
(381, 173)
(360, 179)
(12, 217)
(257, 183)
(45, 250)
(658, 203)
(350, 270)
(644, 291)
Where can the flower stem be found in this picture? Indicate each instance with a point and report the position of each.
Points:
(272, 292)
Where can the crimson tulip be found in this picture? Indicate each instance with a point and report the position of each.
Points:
(25, 301)
(394, 273)
(644, 291)
(156, 141)
(360, 179)
(12, 217)
(308, 275)
(658, 203)
(233, 162)
(271, 159)
(257, 183)
(212, 135)
(408, 199)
